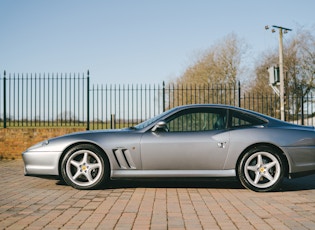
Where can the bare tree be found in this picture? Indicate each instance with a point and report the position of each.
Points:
(300, 62)
(203, 80)
(299, 68)
(220, 64)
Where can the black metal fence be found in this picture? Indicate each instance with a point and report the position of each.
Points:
(127, 105)
(43, 100)
(57, 100)
(124, 105)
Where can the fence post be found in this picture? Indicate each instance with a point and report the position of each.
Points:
(88, 101)
(163, 96)
(112, 121)
(239, 94)
(4, 101)
(302, 107)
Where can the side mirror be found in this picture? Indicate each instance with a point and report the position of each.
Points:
(159, 125)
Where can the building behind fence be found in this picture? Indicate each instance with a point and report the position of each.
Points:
(69, 100)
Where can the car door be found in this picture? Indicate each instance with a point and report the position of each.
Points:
(196, 139)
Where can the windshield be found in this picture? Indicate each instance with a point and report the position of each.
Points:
(152, 120)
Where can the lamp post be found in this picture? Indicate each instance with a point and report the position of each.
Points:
(281, 31)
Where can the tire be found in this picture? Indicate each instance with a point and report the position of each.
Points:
(261, 169)
(84, 167)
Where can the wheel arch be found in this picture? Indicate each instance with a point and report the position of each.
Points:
(106, 159)
(277, 149)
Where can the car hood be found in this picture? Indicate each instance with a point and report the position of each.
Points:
(60, 142)
(103, 131)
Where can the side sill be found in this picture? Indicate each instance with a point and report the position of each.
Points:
(171, 173)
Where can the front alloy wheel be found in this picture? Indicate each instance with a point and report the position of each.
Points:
(83, 167)
(261, 169)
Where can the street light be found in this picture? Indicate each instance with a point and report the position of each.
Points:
(281, 31)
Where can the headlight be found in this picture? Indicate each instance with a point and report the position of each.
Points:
(40, 144)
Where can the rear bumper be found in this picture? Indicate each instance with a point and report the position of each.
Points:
(301, 174)
(301, 159)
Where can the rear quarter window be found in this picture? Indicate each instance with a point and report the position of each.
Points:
(239, 119)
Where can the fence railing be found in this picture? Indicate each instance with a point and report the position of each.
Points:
(124, 105)
(55, 100)
(43, 100)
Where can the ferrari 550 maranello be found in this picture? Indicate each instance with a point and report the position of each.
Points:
(192, 141)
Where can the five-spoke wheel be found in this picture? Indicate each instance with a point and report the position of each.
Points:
(84, 167)
(261, 169)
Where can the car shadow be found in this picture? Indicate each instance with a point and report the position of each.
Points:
(170, 183)
(288, 185)
(298, 184)
(177, 183)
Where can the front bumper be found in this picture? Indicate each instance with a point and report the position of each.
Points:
(41, 163)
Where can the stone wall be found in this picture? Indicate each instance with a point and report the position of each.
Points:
(14, 141)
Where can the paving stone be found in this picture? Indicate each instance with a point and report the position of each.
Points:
(35, 203)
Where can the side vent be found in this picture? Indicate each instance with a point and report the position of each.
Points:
(123, 158)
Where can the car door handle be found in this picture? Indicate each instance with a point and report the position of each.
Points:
(221, 145)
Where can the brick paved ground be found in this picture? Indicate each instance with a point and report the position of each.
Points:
(34, 203)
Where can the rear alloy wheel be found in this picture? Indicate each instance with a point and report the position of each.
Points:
(83, 167)
(261, 169)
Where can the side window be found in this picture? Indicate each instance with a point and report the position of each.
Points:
(198, 120)
(244, 120)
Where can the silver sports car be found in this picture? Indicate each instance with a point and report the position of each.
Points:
(199, 141)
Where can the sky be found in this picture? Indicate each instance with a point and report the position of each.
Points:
(136, 41)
